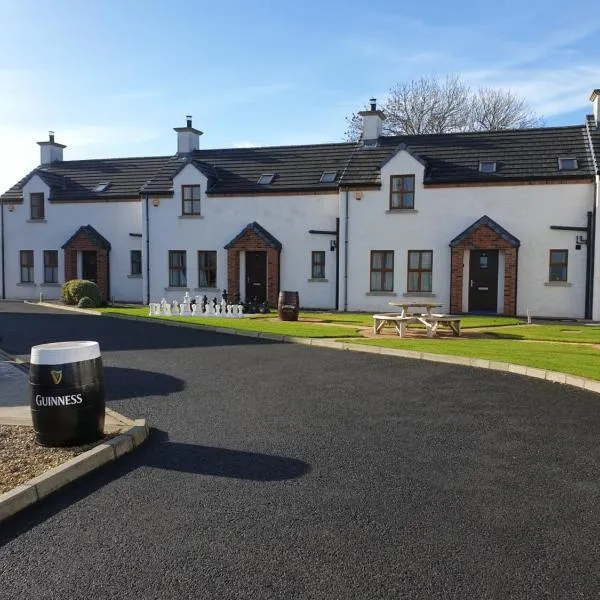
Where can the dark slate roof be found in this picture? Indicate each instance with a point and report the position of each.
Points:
(519, 154)
(486, 221)
(260, 232)
(90, 233)
(76, 179)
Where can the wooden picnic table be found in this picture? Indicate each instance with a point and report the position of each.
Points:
(428, 318)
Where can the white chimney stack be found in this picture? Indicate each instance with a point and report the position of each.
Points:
(50, 151)
(188, 138)
(372, 123)
(595, 98)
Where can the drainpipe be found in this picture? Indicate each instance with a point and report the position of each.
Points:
(147, 249)
(589, 272)
(346, 222)
(337, 263)
(2, 248)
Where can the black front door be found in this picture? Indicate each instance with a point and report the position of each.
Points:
(256, 276)
(89, 265)
(483, 284)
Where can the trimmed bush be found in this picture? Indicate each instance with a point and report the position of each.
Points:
(86, 302)
(76, 289)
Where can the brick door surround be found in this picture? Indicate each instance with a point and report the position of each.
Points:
(485, 234)
(254, 238)
(87, 238)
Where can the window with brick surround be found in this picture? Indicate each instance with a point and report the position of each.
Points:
(558, 265)
(26, 264)
(177, 268)
(420, 268)
(207, 268)
(36, 202)
(382, 270)
(190, 200)
(50, 266)
(402, 192)
(317, 270)
(135, 262)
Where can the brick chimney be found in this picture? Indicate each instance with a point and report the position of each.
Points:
(372, 123)
(188, 138)
(595, 98)
(50, 151)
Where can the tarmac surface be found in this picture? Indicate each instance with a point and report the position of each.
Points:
(285, 471)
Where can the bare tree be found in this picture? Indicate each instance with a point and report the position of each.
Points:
(493, 109)
(431, 105)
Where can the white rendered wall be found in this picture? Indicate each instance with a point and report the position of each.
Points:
(440, 214)
(114, 220)
(288, 218)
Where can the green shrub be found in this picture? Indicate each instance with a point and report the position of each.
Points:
(86, 302)
(76, 289)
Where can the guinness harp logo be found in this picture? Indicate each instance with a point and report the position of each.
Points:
(56, 376)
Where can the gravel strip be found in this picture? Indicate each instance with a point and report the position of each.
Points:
(21, 458)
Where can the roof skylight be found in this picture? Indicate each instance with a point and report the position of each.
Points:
(266, 179)
(328, 176)
(487, 166)
(567, 163)
(102, 187)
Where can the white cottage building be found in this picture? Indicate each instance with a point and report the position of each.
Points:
(489, 222)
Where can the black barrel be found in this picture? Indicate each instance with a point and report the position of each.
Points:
(288, 306)
(66, 382)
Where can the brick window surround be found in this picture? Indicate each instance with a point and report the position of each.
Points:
(254, 238)
(485, 234)
(87, 238)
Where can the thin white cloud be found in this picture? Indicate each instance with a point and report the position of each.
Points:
(244, 144)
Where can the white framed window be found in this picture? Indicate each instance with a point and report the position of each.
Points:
(567, 163)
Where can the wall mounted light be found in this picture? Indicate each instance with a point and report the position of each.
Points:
(155, 201)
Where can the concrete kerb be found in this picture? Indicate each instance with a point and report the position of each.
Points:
(552, 376)
(41, 486)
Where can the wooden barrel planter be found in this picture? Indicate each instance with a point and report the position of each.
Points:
(288, 306)
(66, 383)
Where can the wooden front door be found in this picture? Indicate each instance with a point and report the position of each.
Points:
(256, 276)
(483, 281)
(89, 265)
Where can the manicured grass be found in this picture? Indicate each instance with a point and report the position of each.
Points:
(288, 328)
(582, 360)
(551, 333)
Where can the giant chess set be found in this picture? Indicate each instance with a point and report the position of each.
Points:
(199, 306)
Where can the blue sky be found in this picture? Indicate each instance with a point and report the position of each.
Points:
(113, 77)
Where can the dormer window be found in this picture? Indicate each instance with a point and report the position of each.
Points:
(37, 206)
(567, 163)
(328, 176)
(102, 187)
(266, 179)
(487, 166)
(402, 192)
(190, 200)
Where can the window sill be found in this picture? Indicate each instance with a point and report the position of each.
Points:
(191, 216)
(26, 284)
(398, 211)
(134, 276)
(381, 294)
(419, 295)
(558, 284)
(184, 288)
(36, 221)
(318, 280)
(50, 285)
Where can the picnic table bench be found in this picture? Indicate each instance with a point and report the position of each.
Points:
(401, 319)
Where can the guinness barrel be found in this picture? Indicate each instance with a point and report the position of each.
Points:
(66, 383)
(288, 306)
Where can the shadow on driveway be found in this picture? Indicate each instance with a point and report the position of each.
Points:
(159, 453)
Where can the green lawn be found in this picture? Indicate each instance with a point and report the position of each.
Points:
(551, 333)
(582, 360)
(251, 323)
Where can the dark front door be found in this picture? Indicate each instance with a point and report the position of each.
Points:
(256, 276)
(89, 265)
(483, 284)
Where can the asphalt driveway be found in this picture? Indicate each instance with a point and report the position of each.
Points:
(283, 471)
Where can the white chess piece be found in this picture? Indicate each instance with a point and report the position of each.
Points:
(218, 310)
(166, 310)
(174, 308)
